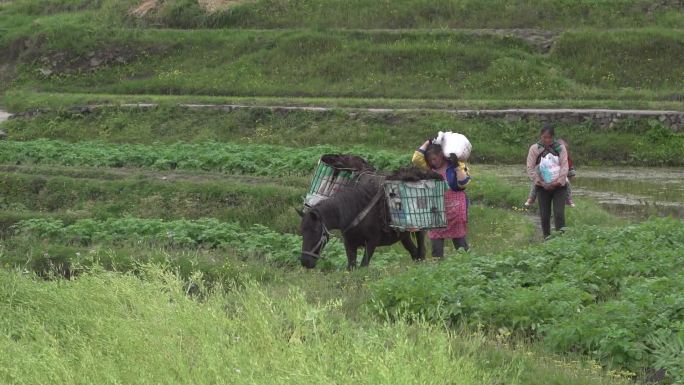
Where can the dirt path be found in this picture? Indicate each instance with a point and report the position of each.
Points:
(539, 111)
(462, 111)
(673, 119)
(604, 117)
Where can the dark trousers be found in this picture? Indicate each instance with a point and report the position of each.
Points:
(556, 198)
(438, 246)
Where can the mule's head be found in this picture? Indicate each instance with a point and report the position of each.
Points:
(314, 237)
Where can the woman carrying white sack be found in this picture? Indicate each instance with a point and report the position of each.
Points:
(446, 155)
(554, 191)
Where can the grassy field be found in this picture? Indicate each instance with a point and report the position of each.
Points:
(434, 65)
(91, 48)
(210, 256)
(161, 245)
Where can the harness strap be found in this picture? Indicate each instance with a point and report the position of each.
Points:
(554, 148)
(316, 256)
(325, 236)
(362, 215)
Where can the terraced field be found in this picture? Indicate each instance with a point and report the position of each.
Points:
(160, 244)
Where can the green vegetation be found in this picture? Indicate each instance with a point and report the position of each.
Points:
(87, 50)
(493, 229)
(164, 196)
(147, 329)
(612, 294)
(70, 194)
(364, 14)
(160, 245)
(113, 193)
(278, 249)
(206, 156)
(352, 49)
(447, 65)
(620, 58)
(494, 140)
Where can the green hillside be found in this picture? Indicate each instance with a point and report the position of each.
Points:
(145, 239)
(95, 47)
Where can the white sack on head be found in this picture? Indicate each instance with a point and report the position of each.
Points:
(454, 143)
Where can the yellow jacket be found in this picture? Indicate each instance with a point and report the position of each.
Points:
(458, 176)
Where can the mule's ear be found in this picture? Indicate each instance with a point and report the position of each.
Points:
(300, 212)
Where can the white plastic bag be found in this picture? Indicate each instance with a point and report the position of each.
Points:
(454, 143)
(549, 168)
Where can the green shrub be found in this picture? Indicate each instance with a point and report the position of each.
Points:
(602, 292)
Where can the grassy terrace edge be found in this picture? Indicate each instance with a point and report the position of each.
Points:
(369, 14)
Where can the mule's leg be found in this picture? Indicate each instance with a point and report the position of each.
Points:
(368, 254)
(407, 242)
(420, 239)
(351, 256)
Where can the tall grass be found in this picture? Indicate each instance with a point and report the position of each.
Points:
(133, 331)
(116, 328)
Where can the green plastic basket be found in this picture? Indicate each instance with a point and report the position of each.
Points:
(415, 206)
(328, 181)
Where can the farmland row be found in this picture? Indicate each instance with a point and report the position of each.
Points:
(269, 202)
(70, 193)
(642, 142)
(256, 241)
(48, 236)
(263, 160)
